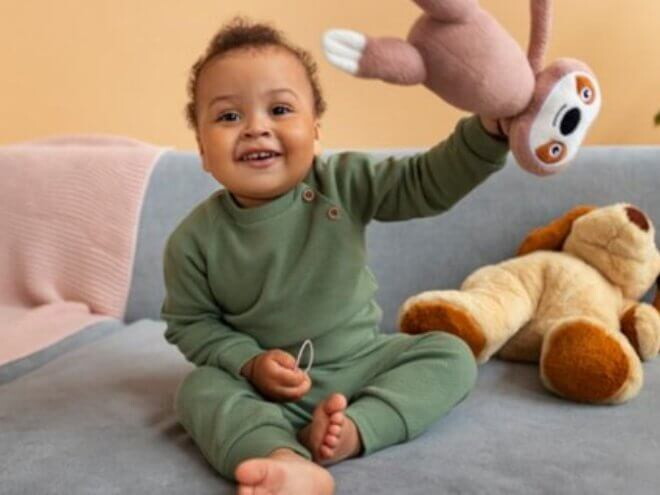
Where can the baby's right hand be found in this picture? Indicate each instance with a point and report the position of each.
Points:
(275, 375)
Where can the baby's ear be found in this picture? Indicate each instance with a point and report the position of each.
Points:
(199, 145)
(200, 148)
(317, 139)
(551, 237)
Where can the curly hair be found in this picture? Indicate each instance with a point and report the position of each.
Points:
(242, 33)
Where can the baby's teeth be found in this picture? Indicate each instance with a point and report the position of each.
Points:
(255, 156)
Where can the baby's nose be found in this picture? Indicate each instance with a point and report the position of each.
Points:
(256, 132)
(256, 125)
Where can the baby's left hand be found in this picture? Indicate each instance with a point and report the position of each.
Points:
(275, 375)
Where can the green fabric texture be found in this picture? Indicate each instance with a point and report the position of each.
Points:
(243, 280)
(239, 281)
(398, 385)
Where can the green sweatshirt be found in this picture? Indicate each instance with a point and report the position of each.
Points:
(242, 280)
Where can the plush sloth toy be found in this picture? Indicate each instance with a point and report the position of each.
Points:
(463, 55)
(568, 301)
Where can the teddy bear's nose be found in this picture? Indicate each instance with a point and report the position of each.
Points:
(638, 218)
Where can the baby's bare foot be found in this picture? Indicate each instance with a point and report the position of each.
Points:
(283, 472)
(331, 436)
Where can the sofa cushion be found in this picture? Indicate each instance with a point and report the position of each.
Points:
(99, 419)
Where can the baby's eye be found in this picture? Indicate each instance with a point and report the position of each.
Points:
(229, 117)
(281, 109)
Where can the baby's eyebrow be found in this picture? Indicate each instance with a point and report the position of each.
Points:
(283, 90)
(222, 97)
(269, 92)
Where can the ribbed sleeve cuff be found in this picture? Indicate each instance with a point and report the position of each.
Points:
(234, 358)
(483, 144)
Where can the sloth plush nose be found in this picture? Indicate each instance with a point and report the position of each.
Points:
(638, 218)
(570, 121)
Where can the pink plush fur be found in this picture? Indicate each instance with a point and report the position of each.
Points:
(466, 58)
(462, 54)
(519, 128)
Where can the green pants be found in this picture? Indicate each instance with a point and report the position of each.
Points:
(396, 386)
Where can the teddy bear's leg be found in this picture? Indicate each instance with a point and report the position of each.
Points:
(583, 361)
(390, 59)
(483, 319)
(442, 311)
(492, 305)
(641, 324)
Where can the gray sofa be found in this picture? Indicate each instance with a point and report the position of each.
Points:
(93, 414)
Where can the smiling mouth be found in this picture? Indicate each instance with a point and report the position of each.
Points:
(260, 163)
(258, 156)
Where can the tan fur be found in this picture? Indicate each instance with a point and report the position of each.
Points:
(552, 236)
(578, 280)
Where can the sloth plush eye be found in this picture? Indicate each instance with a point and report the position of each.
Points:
(551, 152)
(585, 89)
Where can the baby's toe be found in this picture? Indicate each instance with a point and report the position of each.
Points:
(334, 430)
(331, 441)
(327, 452)
(334, 404)
(337, 418)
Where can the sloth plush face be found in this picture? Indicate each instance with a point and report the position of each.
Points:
(548, 134)
(564, 118)
(619, 241)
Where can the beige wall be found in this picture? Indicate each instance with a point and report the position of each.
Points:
(120, 66)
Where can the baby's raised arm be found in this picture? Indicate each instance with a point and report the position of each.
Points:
(420, 185)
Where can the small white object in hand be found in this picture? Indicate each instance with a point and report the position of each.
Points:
(311, 354)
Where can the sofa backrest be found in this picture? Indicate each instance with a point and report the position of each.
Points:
(422, 254)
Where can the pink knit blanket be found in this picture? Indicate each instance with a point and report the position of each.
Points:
(69, 212)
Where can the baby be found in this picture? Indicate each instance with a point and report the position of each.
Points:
(277, 257)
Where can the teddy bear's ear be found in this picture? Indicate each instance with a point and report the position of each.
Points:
(551, 237)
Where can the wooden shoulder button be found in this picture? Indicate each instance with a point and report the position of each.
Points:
(333, 213)
(309, 195)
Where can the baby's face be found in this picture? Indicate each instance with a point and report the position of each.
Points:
(257, 129)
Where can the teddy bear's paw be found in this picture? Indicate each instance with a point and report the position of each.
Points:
(641, 325)
(582, 361)
(426, 314)
(343, 49)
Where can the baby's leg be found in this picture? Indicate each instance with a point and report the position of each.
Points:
(418, 379)
(230, 421)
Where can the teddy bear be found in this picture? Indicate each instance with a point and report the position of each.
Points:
(568, 300)
(463, 55)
